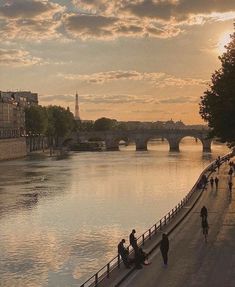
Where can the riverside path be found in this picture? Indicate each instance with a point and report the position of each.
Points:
(192, 262)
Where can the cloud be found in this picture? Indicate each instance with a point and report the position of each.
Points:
(101, 98)
(29, 9)
(156, 79)
(102, 77)
(90, 26)
(104, 19)
(155, 18)
(179, 100)
(17, 58)
(173, 10)
(35, 19)
(64, 98)
(87, 26)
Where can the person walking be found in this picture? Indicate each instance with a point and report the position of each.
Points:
(205, 227)
(230, 172)
(230, 186)
(216, 182)
(133, 240)
(203, 212)
(212, 181)
(123, 252)
(164, 247)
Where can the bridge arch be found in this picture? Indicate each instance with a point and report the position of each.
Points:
(206, 143)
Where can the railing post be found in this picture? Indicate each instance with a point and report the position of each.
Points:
(160, 224)
(155, 228)
(150, 234)
(143, 239)
(118, 261)
(96, 279)
(108, 269)
(165, 219)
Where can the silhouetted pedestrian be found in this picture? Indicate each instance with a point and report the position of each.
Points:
(203, 212)
(205, 227)
(133, 240)
(230, 172)
(123, 252)
(230, 185)
(164, 247)
(212, 181)
(216, 182)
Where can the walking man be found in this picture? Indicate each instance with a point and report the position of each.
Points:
(205, 227)
(230, 186)
(216, 182)
(212, 181)
(123, 252)
(203, 212)
(164, 247)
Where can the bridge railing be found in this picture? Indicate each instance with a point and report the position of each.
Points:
(105, 271)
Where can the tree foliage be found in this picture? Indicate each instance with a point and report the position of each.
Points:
(53, 121)
(104, 124)
(61, 121)
(36, 120)
(217, 105)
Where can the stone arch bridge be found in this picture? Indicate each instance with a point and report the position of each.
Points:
(141, 137)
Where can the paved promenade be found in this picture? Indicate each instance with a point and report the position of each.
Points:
(192, 262)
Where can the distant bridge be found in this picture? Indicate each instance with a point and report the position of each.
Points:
(141, 137)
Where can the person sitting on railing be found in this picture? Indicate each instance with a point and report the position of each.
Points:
(143, 257)
(123, 252)
(133, 240)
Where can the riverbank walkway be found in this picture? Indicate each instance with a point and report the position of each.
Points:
(192, 262)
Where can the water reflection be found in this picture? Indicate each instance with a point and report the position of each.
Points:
(60, 220)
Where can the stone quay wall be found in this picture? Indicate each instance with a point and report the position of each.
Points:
(12, 148)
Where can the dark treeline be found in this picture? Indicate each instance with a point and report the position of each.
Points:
(217, 105)
(52, 121)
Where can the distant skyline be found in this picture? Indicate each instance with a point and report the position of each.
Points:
(141, 60)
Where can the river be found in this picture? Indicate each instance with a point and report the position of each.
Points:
(61, 220)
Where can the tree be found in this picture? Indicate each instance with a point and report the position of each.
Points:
(104, 124)
(84, 125)
(36, 120)
(61, 122)
(217, 105)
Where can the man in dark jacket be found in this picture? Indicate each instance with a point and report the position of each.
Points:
(123, 252)
(203, 212)
(133, 240)
(164, 247)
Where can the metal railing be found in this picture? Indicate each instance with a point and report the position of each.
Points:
(6, 133)
(106, 270)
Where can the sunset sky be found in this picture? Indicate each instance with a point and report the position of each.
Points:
(143, 60)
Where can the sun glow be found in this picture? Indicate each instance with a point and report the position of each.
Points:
(223, 41)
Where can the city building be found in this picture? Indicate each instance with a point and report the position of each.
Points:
(12, 106)
(22, 98)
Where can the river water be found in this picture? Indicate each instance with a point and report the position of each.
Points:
(61, 220)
